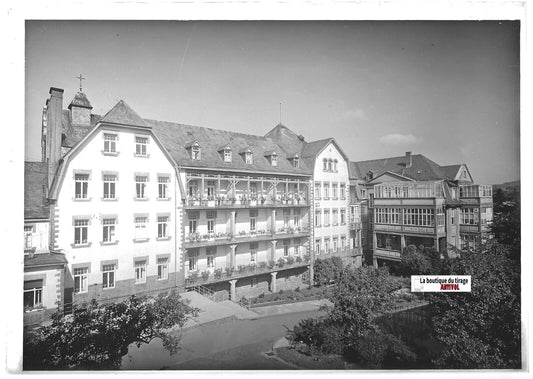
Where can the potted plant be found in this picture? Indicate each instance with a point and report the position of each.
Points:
(251, 267)
(271, 264)
(298, 259)
(262, 265)
(218, 273)
(241, 269)
(281, 262)
(290, 260)
(229, 271)
(262, 198)
(205, 275)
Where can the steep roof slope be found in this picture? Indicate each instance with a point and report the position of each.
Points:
(35, 182)
(451, 171)
(422, 168)
(175, 137)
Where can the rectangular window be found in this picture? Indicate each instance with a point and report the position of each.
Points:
(28, 234)
(140, 272)
(249, 158)
(253, 224)
(82, 185)
(108, 226)
(81, 231)
(387, 215)
(334, 191)
(286, 247)
(81, 277)
(317, 191)
(335, 217)
(335, 244)
(469, 216)
(296, 247)
(343, 243)
(419, 217)
(327, 245)
(318, 218)
(162, 226)
(193, 189)
(210, 260)
(326, 191)
(326, 217)
(109, 186)
(193, 262)
(343, 191)
(110, 143)
(296, 218)
(140, 186)
(274, 160)
(210, 190)
(211, 221)
(162, 268)
(286, 217)
(162, 184)
(141, 228)
(253, 252)
(192, 226)
(317, 247)
(108, 276)
(33, 293)
(227, 155)
(196, 153)
(140, 146)
(343, 216)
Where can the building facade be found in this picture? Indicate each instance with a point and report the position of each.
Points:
(411, 200)
(140, 206)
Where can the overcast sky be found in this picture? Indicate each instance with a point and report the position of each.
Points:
(448, 90)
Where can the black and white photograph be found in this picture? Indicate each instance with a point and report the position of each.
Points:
(267, 194)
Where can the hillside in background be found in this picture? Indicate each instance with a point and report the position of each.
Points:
(507, 186)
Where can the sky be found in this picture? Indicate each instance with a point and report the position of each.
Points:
(448, 90)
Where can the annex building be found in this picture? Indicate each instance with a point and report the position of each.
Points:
(123, 205)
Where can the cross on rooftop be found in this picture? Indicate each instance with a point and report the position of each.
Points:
(80, 78)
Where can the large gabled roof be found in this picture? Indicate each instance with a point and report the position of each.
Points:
(35, 184)
(122, 114)
(422, 168)
(451, 171)
(175, 136)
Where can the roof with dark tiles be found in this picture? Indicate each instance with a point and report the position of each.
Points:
(122, 114)
(175, 136)
(422, 168)
(35, 183)
(451, 171)
(80, 100)
(48, 259)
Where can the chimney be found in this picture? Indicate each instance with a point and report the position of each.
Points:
(52, 131)
(409, 159)
(80, 110)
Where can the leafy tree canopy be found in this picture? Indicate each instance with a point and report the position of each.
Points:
(97, 336)
(506, 219)
(480, 329)
(327, 270)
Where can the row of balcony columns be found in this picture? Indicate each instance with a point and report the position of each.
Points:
(233, 247)
(233, 222)
(233, 285)
(234, 180)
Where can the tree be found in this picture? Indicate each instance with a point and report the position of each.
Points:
(97, 336)
(505, 224)
(350, 327)
(480, 329)
(327, 270)
(419, 261)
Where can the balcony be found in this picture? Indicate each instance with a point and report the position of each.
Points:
(197, 240)
(409, 190)
(243, 271)
(475, 191)
(283, 201)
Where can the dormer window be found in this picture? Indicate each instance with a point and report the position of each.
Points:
(295, 161)
(274, 159)
(227, 154)
(196, 153)
(249, 157)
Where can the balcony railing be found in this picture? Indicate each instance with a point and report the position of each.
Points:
(194, 240)
(219, 275)
(246, 202)
(409, 190)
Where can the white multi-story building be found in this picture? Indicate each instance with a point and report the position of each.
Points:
(113, 203)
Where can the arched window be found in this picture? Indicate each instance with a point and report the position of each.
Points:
(330, 162)
(325, 164)
(335, 165)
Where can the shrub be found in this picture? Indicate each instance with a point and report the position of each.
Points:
(229, 271)
(281, 262)
(290, 260)
(193, 277)
(298, 259)
(218, 273)
(205, 275)
(262, 264)
(297, 289)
